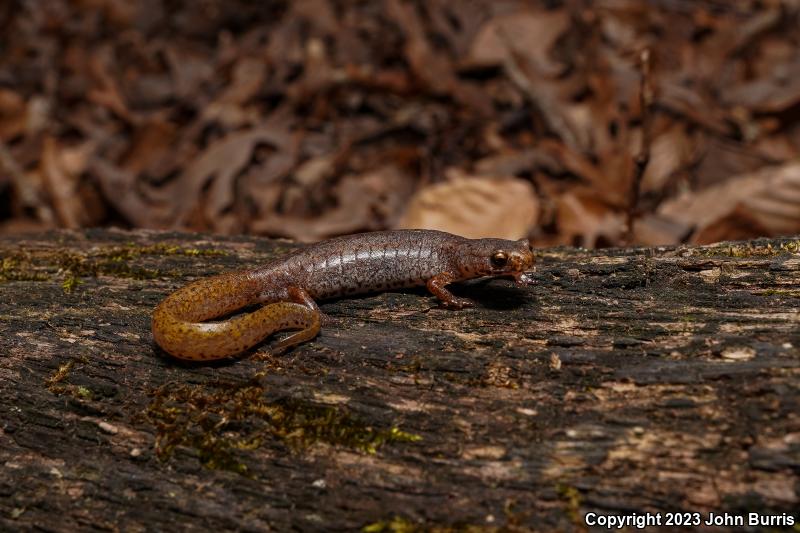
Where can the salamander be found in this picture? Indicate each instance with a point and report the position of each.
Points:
(289, 286)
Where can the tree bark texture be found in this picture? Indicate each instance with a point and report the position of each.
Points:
(626, 380)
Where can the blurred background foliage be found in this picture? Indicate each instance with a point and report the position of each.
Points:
(313, 118)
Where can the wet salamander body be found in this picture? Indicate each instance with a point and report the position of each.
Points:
(289, 286)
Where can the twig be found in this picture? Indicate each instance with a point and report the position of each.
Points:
(643, 157)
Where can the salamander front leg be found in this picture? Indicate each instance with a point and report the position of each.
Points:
(437, 287)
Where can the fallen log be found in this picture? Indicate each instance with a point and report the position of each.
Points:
(624, 382)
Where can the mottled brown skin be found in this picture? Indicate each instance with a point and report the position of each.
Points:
(179, 329)
(353, 264)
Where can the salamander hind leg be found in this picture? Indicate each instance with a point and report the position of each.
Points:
(303, 317)
(301, 296)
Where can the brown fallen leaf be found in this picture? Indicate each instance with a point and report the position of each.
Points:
(474, 207)
(551, 95)
(60, 169)
(693, 106)
(577, 163)
(132, 200)
(655, 230)
(546, 97)
(318, 75)
(768, 201)
(221, 163)
(12, 114)
(670, 151)
(721, 159)
(27, 187)
(367, 202)
(768, 95)
(431, 66)
(533, 34)
(152, 141)
(585, 221)
(739, 224)
(456, 23)
(189, 70)
(106, 91)
(229, 109)
(517, 162)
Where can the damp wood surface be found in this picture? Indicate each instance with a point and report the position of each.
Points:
(624, 380)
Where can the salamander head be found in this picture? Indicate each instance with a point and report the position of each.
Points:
(495, 257)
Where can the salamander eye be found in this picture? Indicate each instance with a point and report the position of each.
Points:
(499, 259)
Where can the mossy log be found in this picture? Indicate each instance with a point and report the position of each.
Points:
(626, 380)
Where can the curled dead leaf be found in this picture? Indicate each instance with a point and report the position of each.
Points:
(152, 140)
(474, 207)
(670, 152)
(230, 107)
(584, 220)
(60, 170)
(431, 67)
(366, 202)
(222, 162)
(133, 201)
(106, 91)
(766, 202)
(12, 114)
(533, 33)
